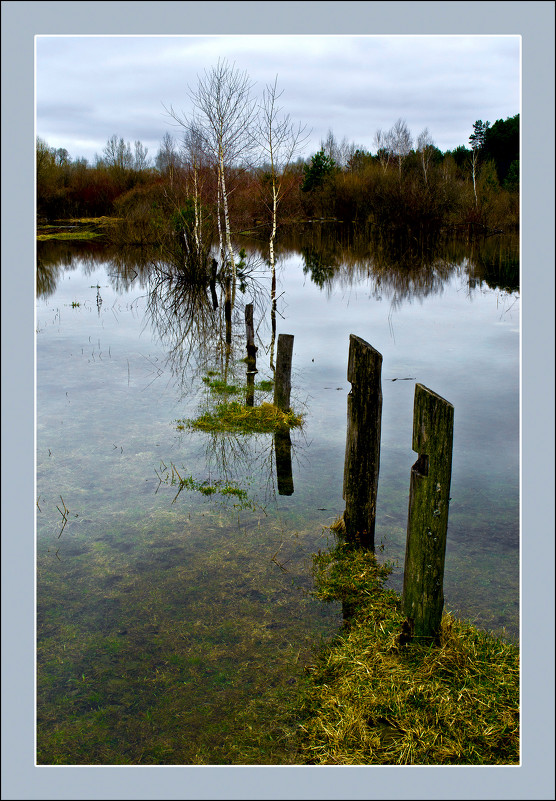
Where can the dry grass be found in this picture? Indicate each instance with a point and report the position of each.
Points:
(371, 700)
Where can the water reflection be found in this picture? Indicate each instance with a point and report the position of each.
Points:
(283, 452)
(193, 325)
(185, 593)
(407, 266)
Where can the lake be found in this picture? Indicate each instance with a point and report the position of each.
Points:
(168, 616)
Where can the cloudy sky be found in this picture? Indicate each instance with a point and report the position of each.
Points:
(89, 88)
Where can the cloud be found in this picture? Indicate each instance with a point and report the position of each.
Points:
(91, 87)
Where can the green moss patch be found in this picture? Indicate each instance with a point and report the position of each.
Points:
(239, 419)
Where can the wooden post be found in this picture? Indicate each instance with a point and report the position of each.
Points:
(427, 524)
(362, 459)
(251, 355)
(283, 373)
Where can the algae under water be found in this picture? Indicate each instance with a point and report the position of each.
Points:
(164, 617)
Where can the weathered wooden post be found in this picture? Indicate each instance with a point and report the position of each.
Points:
(283, 372)
(427, 524)
(362, 459)
(251, 355)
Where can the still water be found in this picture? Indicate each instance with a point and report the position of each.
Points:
(165, 618)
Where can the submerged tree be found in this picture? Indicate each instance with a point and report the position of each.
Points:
(223, 113)
(222, 118)
(280, 142)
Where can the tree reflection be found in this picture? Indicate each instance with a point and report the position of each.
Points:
(407, 265)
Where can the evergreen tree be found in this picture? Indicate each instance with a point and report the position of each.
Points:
(320, 168)
(477, 138)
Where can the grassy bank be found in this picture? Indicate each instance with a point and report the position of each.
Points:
(372, 698)
(368, 698)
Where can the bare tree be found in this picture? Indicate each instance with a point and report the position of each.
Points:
(383, 145)
(280, 142)
(141, 162)
(223, 113)
(195, 158)
(339, 152)
(401, 142)
(425, 148)
(117, 154)
(167, 159)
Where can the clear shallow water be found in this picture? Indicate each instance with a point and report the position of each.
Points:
(144, 595)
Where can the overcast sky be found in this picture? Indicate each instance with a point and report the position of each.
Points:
(89, 88)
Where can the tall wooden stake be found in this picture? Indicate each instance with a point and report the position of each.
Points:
(251, 355)
(283, 373)
(427, 525)
(362, 461)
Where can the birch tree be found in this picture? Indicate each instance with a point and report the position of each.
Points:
(425, 148)
(195, 158)
(401, 143)
(477, 141)
(280, 141)
(223, 115)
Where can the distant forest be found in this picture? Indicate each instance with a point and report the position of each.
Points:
(407, 182)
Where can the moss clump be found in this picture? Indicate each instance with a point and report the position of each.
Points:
(349, 574)
(236, 418)
(371, 700)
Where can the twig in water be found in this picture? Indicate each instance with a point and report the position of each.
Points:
(64, 515)
(276, 562)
